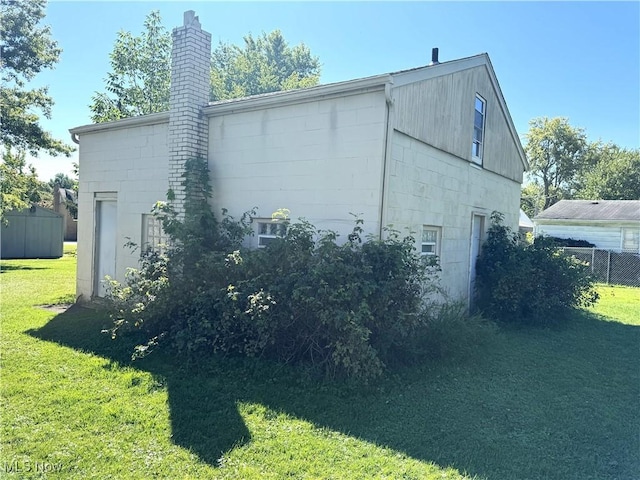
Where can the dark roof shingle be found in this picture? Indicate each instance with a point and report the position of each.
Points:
(626, 210)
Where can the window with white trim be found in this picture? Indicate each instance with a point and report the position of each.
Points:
(631, 240)
(430, 244)
(269, 230)
(477, 148)
(153, 236)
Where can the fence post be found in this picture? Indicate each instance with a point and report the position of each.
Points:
(608, 265)
(593, 259)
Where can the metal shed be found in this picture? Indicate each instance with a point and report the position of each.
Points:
(32, 233)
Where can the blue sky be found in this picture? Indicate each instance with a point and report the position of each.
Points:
(579, 60)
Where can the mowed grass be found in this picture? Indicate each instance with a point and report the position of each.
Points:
(553, 403)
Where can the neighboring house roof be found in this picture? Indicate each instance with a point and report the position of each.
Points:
(592, 210)
(280, 98)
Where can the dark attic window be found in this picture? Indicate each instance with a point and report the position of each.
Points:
(477, 148)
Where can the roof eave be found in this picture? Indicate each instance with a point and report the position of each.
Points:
(453, 66)
(302, 95)
(141, 120)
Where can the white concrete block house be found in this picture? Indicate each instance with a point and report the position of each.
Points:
(431, 149)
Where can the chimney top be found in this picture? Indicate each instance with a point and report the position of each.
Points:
(434, 56)
(191, 19)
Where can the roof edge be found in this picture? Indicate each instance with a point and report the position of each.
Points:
(140, 120)
(301, 95)
(406, 77)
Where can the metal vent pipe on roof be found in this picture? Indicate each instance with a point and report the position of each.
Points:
(434, 56)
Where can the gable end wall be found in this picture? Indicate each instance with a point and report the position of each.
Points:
(440, 111)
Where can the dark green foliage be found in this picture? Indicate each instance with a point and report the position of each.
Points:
(570, 242)
(528, 283)
(348, 310)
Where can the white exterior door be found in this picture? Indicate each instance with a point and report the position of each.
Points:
(105, 255)
(477, 228)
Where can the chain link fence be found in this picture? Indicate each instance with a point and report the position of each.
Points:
(619, 268)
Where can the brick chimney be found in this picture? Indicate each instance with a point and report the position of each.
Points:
(190, 85)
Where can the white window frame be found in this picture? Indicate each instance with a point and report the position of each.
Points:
(153, 235)
(268, 229)
(432, 246)
(630, 240)
(477, 145)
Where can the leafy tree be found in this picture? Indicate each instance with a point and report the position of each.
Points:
(19, 184)
(557, 155)
(615, 174)
(532, 199)
(139, 82)
(62, 180)
(141, 71)
(27, 49)
(265, 64)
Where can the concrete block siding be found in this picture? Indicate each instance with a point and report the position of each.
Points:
(322, 159)
(131, 166)
(430, 187)
(324, 153)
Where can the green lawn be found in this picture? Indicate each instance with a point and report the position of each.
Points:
(554, 403)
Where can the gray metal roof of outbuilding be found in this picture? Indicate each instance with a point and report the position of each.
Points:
(592, 210)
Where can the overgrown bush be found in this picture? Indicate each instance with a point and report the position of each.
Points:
(528, 283)
(347, 309)
(571, 242)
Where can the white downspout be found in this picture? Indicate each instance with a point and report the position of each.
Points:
(386, 155)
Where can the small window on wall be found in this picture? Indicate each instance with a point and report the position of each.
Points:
(430, 241)
(631, 240)
(153, 236)
(477, 148)
(268, 231)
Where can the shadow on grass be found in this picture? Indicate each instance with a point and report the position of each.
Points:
(539, 403)
(7, 268)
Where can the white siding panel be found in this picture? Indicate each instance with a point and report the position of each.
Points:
(605, 237)
(440, 111)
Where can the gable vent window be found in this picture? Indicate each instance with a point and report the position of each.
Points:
(477, 148)
(268, 230)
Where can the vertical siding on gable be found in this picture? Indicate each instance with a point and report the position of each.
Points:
(440, 112)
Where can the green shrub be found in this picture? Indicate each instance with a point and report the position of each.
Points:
(348, 310)
(528, 283)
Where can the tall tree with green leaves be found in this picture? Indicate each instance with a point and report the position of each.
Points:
(557, 154)
(19, 184)
(265, 64)
(141, 71)
(614, 175)
(27, 49)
